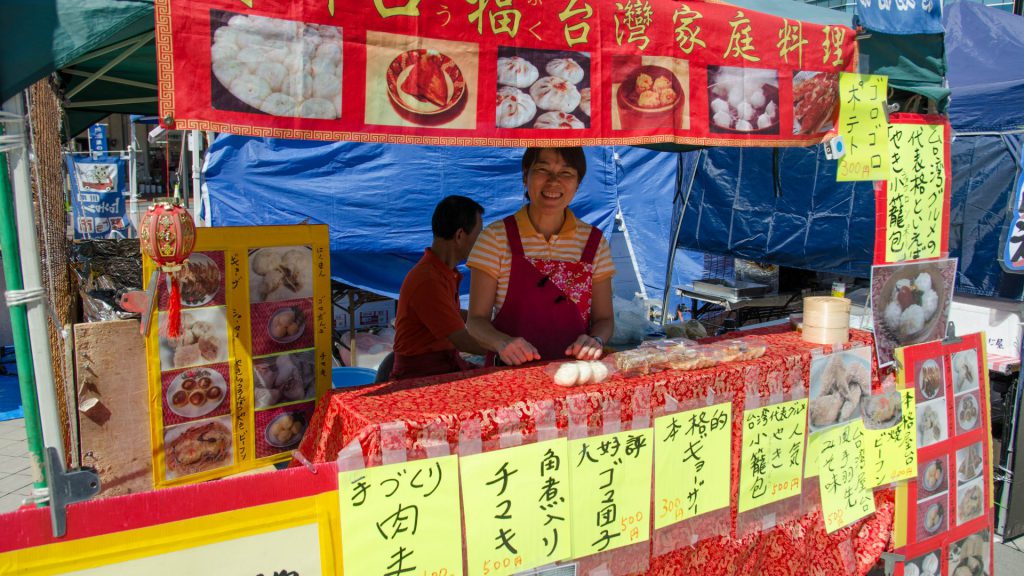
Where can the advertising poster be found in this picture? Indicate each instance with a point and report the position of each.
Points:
(97, 196)
(910, 303)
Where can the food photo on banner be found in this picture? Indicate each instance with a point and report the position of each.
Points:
(583, 73)
(98, 185)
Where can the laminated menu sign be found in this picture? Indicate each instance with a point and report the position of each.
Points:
(237, 389)
(912, 205)
(945, 516)
(862, 123)
(773, 453)
(518, 500)
(890, 453)
(559, 72)
(611, 490)
(402, 518)
(692, 463)
(845, 496)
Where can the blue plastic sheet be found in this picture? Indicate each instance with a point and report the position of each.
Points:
(901, 16)
(780, 207)
(377, 199)
(985, 52)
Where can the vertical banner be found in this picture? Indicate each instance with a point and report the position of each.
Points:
(402, 518)
(238, 388)
(912, 205)
(517, 503)
(97, 196)
(611, 491)
(98, 139)
(773, 453)
(692, 463)
(862, 124)
(945, 517)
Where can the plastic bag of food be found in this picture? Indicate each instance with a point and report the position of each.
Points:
(668, 343)
(631, 322)
(639, 361)
(692, 358)
(580, 372)
(739, 350)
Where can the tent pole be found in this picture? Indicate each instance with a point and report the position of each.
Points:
(37, 299)
(677, 228)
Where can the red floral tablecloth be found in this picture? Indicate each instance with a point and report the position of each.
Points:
(492, 403)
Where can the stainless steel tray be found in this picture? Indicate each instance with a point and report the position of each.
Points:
(729, 289)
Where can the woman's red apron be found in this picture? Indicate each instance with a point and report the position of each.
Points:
(548, 301)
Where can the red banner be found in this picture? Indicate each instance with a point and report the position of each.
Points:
(499, 72)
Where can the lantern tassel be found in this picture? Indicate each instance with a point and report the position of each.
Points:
(174, 309)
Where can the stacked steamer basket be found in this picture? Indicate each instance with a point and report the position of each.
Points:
(826, 320)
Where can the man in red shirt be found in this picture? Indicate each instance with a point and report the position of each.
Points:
(430, 328)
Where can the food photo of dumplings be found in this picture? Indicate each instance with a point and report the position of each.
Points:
(546, 89)
(743, 100)
(277, 67)
(203, 340)
(280, 273)
(650, 92)
(910, 304)
(284, 378)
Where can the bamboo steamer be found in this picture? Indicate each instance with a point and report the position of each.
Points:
(826, 320)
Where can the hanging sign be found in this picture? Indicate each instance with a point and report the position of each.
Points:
(912, 205)
(98, 138)
(862, 124)
(901, 16)
(238, 389)
(560, 72)
(97, 196)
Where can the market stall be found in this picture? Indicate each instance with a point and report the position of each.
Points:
(785, 417)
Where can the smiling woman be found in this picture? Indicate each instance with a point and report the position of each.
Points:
(541, 286)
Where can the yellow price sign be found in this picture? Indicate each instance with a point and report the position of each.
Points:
(845, 497)
(520, 507)
(862, 124)
(915, 192)
(692, 464)
(402, 518)
(890, 454)
(611, 490)
(773, 453)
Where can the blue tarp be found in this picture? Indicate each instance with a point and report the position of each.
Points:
(984, 52)
(780, 207)
(377, 199)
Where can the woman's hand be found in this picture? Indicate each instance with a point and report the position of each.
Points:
(518, 351)
(585, 347)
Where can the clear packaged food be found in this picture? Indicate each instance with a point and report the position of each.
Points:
(739, 350)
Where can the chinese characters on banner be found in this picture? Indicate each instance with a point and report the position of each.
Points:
(560, 72)
(692, 463)
(98, 184)
(611, 488)
(773, 453)
(913, 203)
(402, 518)
(238, 389)
(862, 123)
(1013, 239)
(890, 454)
(845, 496)
(518, 500)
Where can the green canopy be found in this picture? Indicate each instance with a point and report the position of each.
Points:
(106, 57)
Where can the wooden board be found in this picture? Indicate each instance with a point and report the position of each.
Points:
(113, 413)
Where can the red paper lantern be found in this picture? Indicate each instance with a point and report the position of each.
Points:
(167, 235)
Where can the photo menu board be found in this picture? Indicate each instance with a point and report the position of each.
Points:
(944, 519)
(506, 73)
(237, 389)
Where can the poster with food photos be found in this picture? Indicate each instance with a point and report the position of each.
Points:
(910, 303)
(506, 73)
(945, 517)
(236, 390)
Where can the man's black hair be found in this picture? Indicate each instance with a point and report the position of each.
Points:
(453, 213)
(573, 156)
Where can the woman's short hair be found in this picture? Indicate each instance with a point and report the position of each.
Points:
(573, 156)
(454, 213)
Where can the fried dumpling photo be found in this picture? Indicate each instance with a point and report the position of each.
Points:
(426, 81)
